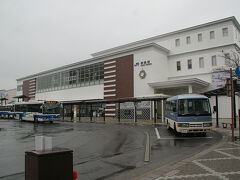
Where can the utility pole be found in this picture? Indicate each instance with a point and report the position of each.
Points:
(231, 85)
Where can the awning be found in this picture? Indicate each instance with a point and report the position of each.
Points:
(195, 82)
(121, 100)
(223, 91)
(20, 97)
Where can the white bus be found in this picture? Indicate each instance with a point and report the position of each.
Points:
(188, 113)
(37, 111)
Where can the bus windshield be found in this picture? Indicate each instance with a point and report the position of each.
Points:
(193, 107)
(51, 108)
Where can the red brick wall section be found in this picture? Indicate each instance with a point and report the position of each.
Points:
(29, 89)
(118, 81)
(124, 77)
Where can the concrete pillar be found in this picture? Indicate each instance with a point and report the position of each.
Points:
(189, 89)
(163, 120)
(155, 112)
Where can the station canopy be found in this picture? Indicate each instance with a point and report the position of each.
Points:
(179, 83)
(155, 97)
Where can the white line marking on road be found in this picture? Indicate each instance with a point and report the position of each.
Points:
(222, 149)
(227, 154)
(184, 176)
(172, 173)
(215, 159)
(157, 133)
(210, 170)
(234, 143)
(147, 148)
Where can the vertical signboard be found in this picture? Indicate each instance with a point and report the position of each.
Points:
(219, 79)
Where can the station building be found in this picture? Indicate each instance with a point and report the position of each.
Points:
(191, 60)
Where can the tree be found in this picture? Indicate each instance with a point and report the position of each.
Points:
(232, 59)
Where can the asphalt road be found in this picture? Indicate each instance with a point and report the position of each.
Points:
(101, 151)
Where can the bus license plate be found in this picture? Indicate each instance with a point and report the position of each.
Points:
(184, 131)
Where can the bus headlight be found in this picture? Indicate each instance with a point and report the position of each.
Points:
(207, 124)
(183, 124)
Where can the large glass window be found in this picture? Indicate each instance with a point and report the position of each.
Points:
(82, 76)
(19, 87)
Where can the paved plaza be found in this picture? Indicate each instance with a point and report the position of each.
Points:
(221, 161)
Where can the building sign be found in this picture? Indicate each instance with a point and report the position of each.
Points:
(51, 102)
(219, 79)
(143, 63)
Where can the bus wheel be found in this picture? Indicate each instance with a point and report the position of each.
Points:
(168, 126)
(175, 130)
(35, 120)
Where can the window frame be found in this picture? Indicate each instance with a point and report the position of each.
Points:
(188, 40)
(225, 33)
(178, 65)
(212, 34)
(201, 65)
(189, 61)
(214, 60)
(177, 42)
(200, 39)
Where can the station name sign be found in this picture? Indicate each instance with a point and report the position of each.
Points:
(143, 63)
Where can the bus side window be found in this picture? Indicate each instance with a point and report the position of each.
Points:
(174, 107)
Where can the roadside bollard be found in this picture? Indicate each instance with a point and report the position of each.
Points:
(48, 163)
(74, 175)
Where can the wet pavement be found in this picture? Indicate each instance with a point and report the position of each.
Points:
(221, 161)
(101, 151)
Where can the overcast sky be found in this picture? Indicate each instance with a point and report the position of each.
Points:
(37, 35)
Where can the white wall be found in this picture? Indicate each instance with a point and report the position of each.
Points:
(236, 35)
(196, 71)
(169, 40)
(156, 72)
(206, 43)
(224, 106)
(83, 93)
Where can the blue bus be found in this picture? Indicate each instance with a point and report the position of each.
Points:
(188, 113)
(37, 111)
(6, 111)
